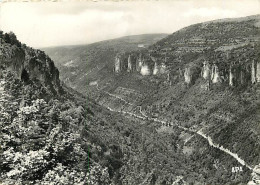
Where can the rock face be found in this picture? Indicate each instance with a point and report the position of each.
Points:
(242, 75)
(41, 67)
(206, 70)
(215, 77)
(155, 68)
(145, 70)
(143, 64)
(139, 63)
(159, 69)
(28, 64)
(129, 64)
(187, 75)
(231, 76)
(258, 71)
(118, 65)
(163, 68)
(13, 58)
(238, 73)
(205, 73)
(235, 74)
(253, 72)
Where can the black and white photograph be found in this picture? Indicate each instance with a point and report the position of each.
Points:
(129, 92)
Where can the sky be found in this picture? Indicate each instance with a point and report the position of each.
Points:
(45, 24)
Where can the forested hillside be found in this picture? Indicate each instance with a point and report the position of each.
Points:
(43, 123)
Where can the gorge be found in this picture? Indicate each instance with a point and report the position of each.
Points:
(201, 82)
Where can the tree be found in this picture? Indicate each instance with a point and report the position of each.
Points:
(1, 34)
(6, 38)
(13, 39)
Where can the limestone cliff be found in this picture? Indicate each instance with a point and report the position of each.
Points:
(231, 76)
(13, 58)
(145, 70)
(156, 68)
(40, 66)
(238, 73)
(129, 64)
(139, 63)
(231, 68)
(242, 73)
(215, 77)
(258, 71)
(253, 72)
(191, 73)
(30, 64)
(187, 75)
(163, 68)
(118, 64)
(147, 66)
(206, 70)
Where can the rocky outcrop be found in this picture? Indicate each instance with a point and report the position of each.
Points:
(163, 68)
(129, 64)
(206, 70)
(139, 63)
(40, 66)
(231, 77)
(143, 64)
(156, 68)
(12, 58)
(118, 65)
(242, 75)
(145, 70)
(253, 72)
(215, 77)
(187, 75)
(235, 74)
(191, 73)
(258, 71)
(30, 64)
(238, 73)
(159, 69)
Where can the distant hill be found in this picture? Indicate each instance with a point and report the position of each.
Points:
(80, 64)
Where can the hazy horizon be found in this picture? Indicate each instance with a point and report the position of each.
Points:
(72, 45)
(46, 24)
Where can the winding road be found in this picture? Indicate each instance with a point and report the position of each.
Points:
(200, 133)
